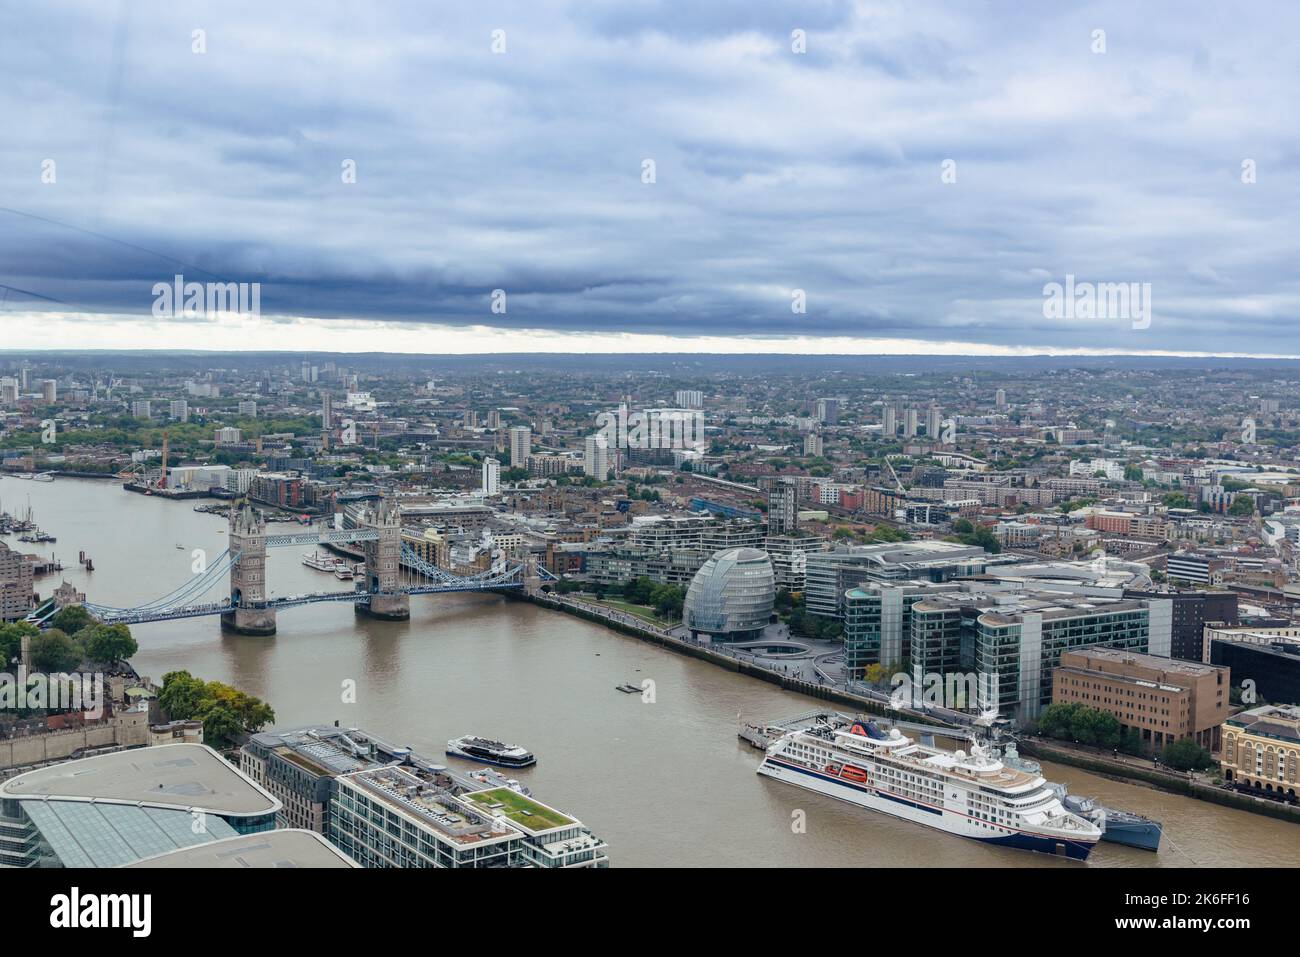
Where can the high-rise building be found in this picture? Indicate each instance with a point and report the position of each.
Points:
(1013, 642)
(812, 444)
(16, 587)
(521, 445)
(596, 462)
(933, 420)
(831, 573)
(326, 411)
(789, 554)
(690, 398)
(49, 391)
(783, 508)
(179, 410)
(1192, 611)
(909, 423)
(1000, 400)
(491, 477)
(828, 411)
(140, 409)
(889, 422)
(248, 409)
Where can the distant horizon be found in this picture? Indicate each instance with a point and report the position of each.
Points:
(297, 353)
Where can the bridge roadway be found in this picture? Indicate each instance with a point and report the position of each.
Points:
(136, 616)
(181, 603)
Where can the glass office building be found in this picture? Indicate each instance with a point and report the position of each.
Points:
(731, 596)
(1011, 641)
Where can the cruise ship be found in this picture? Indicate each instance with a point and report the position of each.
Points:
(971, 795)
(493, 752)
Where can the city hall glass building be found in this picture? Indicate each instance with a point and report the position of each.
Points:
(731, 596)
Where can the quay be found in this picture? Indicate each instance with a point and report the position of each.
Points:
(628, 625)
(1138, 771)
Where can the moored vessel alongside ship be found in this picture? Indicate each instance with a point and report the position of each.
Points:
(1117, 827)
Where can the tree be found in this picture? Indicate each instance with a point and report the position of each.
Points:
(226, 712)
(72, 619)
(11, 639)
(109, 643)
(221, 727)
(180, 696)
(1186, 755)
(1242, 505)
(54, 651)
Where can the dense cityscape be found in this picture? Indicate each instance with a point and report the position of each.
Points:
(1087, 562)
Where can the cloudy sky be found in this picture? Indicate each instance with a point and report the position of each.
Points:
(920, 173)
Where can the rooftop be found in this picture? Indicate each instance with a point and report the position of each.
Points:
(289, 848)
(1173, 666)
(430, 805)
(1275, 721)
(169, 776)
(532, 816)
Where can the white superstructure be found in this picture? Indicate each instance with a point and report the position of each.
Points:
(971, 795)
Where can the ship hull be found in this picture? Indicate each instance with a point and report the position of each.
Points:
(940, 819)
(1145, 837)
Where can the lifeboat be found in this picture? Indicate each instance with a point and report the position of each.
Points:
(851, 773)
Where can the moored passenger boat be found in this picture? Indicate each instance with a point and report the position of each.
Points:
(970, 795)
(493, 752)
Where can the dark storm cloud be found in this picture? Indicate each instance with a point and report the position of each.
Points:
(775, 171)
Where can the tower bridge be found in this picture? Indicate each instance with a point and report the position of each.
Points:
(393, 572)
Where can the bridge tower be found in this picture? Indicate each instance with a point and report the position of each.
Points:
(383, 557)
(249, 614)
(532, 580)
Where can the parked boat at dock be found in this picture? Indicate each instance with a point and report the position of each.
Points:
(1117, 827)
(493, 752)
(972, 795)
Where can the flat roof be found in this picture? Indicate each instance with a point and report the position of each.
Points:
(524, 812)
(169, 776)
(290, 847)
(430, 805)
(1179, 666)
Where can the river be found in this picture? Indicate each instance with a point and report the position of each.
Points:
(665, 783)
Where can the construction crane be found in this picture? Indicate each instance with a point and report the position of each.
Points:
(162, 476)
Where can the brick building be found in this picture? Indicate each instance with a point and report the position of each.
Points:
(1163, 699)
